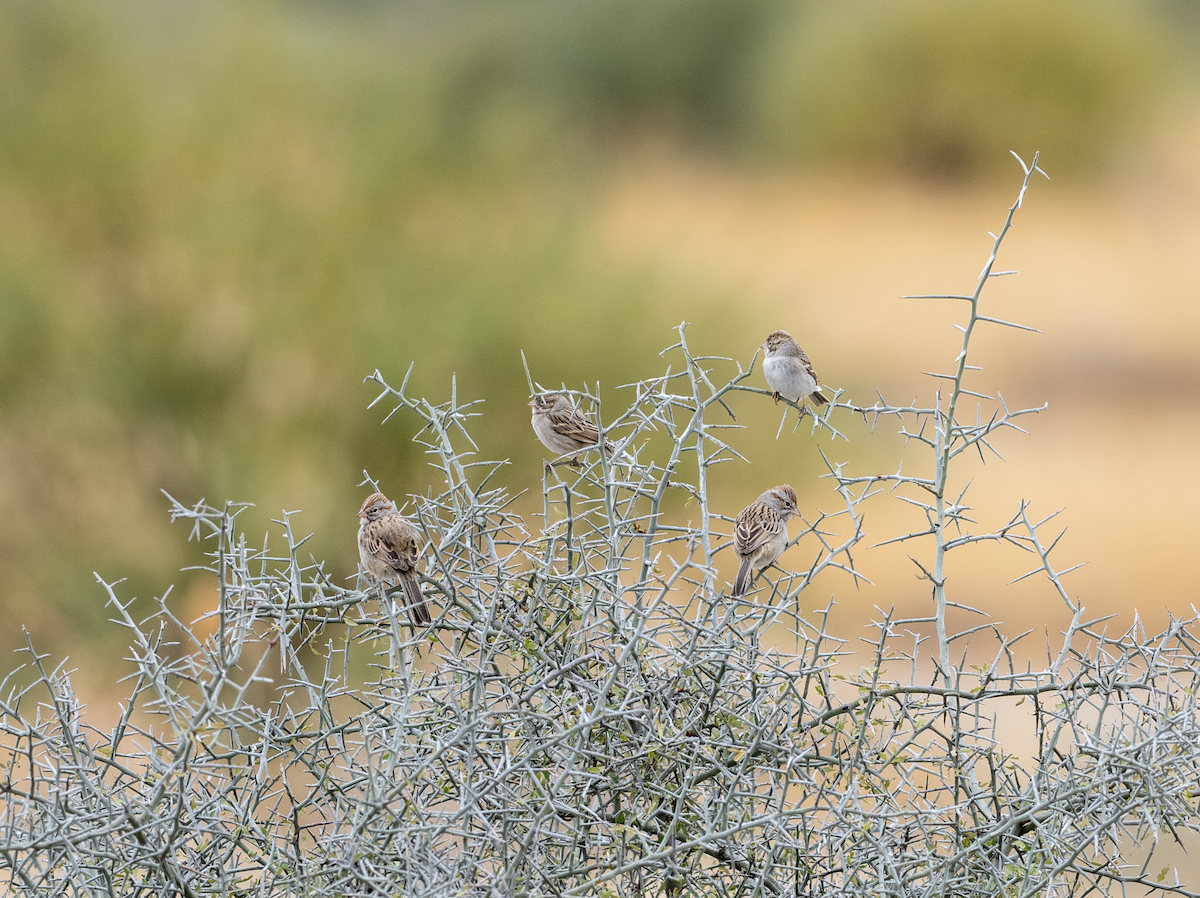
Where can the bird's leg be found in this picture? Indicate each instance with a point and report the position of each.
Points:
(776, 396)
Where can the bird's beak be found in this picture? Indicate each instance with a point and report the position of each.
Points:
(363, 513)
(531, 402)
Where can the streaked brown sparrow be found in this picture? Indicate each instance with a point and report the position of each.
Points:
(788, 371)
(390, 549)
(561, 427)
(760, 533)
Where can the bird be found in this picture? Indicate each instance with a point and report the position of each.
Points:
(390, 549)
(788, 371)
(760, 533)
(561, 427)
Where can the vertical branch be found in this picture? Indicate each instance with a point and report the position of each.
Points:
(702, 462)
(946, 425)
(941, 438)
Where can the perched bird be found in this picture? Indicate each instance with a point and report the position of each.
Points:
(788, 371)
(390, 549)
(561, 427)
(760, 533)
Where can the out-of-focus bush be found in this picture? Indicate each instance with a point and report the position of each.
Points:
(947, 88)
(682, 64)
(932, 86)
(71, 126)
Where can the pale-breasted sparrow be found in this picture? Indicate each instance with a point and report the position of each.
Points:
(788, 371)
(390, 549)
(760, 533)
(561, 427)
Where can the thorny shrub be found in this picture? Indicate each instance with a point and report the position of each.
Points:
(590, 713)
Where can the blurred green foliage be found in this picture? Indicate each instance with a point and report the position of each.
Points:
(683, 64)
(948, 88)
(215, 219)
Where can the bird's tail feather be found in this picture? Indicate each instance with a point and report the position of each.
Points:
(818, 398)
(743, 577)
(417, 605)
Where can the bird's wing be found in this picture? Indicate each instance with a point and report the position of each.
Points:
(399, 547)
(754, 525)
(808, 366)
(578, 427)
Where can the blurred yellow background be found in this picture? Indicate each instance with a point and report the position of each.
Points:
(216, 219)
